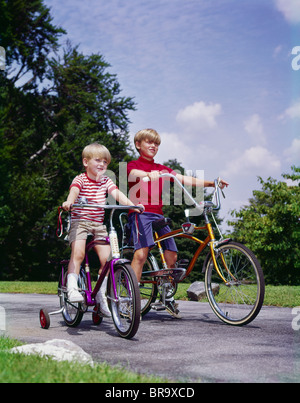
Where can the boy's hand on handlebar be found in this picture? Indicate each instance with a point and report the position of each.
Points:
(67, 206)
(139, 210)
(222, 184)
(154, 175)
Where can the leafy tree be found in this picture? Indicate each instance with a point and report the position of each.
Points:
(68, 102)
(270, 226)
(28, 36)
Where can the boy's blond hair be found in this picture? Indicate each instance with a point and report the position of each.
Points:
(96, 150)
(147, 134)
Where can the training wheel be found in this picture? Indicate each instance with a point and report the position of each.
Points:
(44, 318)
(97, 319)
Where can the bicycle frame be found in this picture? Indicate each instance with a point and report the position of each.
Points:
(109, 265)
(210, 240)
(234, 282)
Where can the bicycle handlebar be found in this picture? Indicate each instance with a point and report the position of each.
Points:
(201, 205)
(107, 206)
(111, 207)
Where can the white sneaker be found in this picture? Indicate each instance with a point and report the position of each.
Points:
(73, 293)
(75, 296)
(102, 301)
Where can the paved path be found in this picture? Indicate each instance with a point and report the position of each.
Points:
(198, 347)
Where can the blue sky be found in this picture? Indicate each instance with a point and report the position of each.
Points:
(213, 77)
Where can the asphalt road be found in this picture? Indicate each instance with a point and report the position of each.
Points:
(197, 348)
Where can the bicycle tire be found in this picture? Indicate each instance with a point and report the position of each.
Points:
(148, 290)
(126, 309)
(73, 312)
(238, 301)
(44, 318)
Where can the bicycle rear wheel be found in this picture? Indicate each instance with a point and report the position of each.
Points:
(239, 300)
(124, 300)
(148, 286)
(73, 312)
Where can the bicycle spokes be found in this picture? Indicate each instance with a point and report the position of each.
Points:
(240, 297)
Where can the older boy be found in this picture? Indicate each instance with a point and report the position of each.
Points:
(93, 185)
(150, 195)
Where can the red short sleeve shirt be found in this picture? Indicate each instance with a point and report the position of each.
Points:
(147, 193)
(95, 192)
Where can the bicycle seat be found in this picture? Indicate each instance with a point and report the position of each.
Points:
(161, 223)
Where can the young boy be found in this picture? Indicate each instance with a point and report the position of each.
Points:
(93, 185)
(150, 195)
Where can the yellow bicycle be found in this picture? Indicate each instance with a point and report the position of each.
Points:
(234, 281)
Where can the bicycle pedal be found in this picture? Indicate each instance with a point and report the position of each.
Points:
(158, 306)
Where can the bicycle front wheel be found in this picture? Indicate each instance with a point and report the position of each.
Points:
(124, 300)
(72, 312)
(148, 286)
(238, 300)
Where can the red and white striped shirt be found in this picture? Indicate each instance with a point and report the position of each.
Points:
(95, 193)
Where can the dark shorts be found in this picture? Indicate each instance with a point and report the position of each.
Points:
(142, 232)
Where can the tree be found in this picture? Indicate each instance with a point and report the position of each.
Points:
(68, 102)
(28, 36)
(270, 226)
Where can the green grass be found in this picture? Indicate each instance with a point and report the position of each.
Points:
(20, 368)
(282, 296)
(28, 287)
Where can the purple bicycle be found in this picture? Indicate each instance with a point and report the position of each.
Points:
(122, 288)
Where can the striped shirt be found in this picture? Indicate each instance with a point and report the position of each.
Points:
(95, 193)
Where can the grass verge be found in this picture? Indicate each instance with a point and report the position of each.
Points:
(281, 296)
(20, 368)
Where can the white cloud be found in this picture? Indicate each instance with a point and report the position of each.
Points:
(292, 154)
(254, 128)
(199, 116)
(190, 153)
(290, 9)
(254, 161)
(292, 112)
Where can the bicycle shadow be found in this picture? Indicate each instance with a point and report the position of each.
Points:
(87, 326)
(190, 318)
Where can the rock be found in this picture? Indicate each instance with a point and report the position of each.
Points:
(196, 291)
(57, 349)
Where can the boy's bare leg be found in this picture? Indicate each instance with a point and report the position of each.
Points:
(77, 256)
(103, 252)
(171, 258)
(139, 259)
